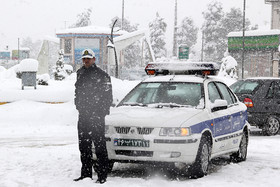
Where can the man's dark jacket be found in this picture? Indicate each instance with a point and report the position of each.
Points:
(93, 91)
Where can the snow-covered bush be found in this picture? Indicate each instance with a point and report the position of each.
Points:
(228, 67)
(43, 79)
(68, 69)
(61, 70)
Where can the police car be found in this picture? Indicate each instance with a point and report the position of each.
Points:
(181, 114)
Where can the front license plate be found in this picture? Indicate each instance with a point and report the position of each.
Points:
(132, 142)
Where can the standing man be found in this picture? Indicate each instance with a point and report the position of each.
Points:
(93, 100)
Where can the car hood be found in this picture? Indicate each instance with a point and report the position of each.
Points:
(150, 117)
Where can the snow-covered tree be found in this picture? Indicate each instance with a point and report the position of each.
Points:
(127, 26)
(233, 21)
(59, 72)
(132, 53)
(216, 27)
(187, 32)
(83, 19)
(214, 45)
(157, 36)
(228, 67)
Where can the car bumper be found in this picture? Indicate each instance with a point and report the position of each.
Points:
(182, 150)
(257, 119)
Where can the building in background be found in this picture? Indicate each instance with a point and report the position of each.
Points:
(261, 52)
(74, 40)
(22, 53)
(261, 57)
(275, 13)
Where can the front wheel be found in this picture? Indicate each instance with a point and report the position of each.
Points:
(272, 126)
(241, 154)
(200, 167)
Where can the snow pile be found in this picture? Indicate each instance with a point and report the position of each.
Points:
(56, 91)
(28, 65)
(121, 88)
(2, 69)
(10, 73)
(228, 70)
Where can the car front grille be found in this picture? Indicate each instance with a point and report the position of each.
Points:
(140, 130)
(134, 153)
(122, 130)
(144, 130)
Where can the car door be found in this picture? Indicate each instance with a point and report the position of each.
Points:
(236, 115)
(272, 99)
(221, 121)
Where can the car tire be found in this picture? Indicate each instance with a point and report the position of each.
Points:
(241, 154)
(202, 161)
(272, 126)
(110, 166)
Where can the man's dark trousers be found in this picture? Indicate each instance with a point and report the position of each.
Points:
(91, 129)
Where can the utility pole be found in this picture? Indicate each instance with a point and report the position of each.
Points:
(18, 51)
(175, 32)
(243, 38)
(122, 14)
(202, 46)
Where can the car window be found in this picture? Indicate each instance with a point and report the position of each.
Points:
(274, 90)
(270, 90)
(277, 90)
(165, 92)
(232, 96)
(213, 92)
(225, 92)
(245, 87)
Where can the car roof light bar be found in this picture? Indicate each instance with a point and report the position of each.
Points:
(182, 68)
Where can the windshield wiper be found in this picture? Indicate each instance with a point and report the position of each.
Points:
(133, 104)
(171, 105)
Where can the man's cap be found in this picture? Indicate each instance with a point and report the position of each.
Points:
(88, 53)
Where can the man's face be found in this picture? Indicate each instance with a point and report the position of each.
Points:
(88, 62)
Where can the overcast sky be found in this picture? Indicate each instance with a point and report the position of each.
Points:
(38, 18)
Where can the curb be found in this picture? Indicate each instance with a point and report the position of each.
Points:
(3, 103)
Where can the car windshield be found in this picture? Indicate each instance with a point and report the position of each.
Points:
(165, 94)
(245, 87)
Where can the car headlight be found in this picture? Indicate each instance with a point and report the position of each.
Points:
(169, 131)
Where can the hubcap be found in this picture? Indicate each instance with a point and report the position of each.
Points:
(273, 125)
(204, 158)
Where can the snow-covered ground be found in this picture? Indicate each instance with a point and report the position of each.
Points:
(39, 145)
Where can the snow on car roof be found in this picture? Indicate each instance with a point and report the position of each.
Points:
(175, 78)
(177, 67)
(183, 65)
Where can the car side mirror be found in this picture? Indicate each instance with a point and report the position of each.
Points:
(219, 104)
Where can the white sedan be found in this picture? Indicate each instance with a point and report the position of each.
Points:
(182, 119)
